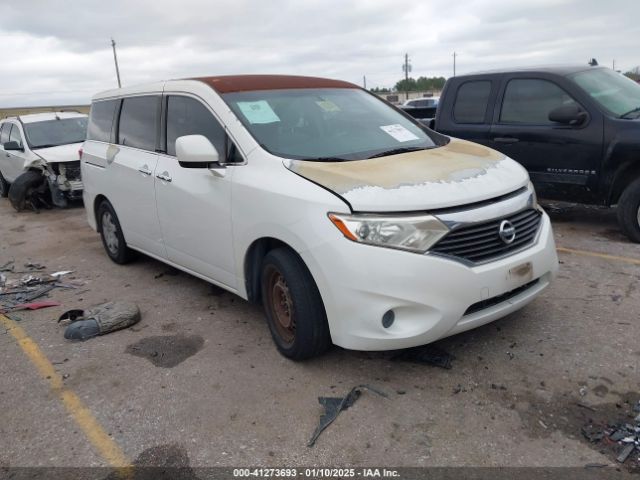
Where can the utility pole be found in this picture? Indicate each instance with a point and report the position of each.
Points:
(406, 67)
(115, 59)
(454, 63)
(364, 81)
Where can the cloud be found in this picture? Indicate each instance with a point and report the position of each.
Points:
(60, 52)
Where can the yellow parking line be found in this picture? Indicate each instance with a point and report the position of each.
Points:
(633, 261)
(92, 429)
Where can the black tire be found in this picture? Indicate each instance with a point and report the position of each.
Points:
(112, 236)
(285, 276)
(4, 187)
(26, 188)
(629, 211)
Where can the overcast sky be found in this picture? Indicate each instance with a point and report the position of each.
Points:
(59, 52)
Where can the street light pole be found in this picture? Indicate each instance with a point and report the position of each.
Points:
(407, 68)
(115, 59)
(454, 63)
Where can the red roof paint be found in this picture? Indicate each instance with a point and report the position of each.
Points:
(243, 83)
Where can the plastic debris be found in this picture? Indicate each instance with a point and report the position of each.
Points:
(334, 405)
(61, 273)
(427, 355)
(622, 435)
(99, 320)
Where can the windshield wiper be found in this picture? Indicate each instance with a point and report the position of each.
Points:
(637, 109)
(396, 151)
(46, 145)
(326, 159)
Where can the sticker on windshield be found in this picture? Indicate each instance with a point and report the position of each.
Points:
(328, 106)
(398, 132)
(258, 112)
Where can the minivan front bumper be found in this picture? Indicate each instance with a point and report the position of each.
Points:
(431, 296)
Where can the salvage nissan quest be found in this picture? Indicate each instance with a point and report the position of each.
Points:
(349, 221)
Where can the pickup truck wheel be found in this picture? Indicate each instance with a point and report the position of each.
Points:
(629, 211)
(4, 187)
(293, 306)
(112, 236)
(28, 190)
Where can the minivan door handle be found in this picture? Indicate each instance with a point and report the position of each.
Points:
(506, 140)
(145, 170)
(164, 176)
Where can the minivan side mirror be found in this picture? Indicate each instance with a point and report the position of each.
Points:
(12, 145)
(196, 149)
(568, 115)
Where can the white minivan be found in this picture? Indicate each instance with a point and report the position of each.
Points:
(349, 221)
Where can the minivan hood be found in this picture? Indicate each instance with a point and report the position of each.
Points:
(458, 173)
(61, 153)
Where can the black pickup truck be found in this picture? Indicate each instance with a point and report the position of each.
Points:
(575, 129)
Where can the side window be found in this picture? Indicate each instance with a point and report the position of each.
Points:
(137, 127)
(101, 120)
(4, 133)
(187, 116)
(530, 101)
(15, 135)
(471, 101)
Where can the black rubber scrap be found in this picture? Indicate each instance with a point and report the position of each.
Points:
(426, 355)
(334, 405)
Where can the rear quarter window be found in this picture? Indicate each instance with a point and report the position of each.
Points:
(101, 120)
(471, 101)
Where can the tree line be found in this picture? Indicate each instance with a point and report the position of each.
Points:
(420, 84)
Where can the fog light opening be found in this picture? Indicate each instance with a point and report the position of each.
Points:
(388, 318)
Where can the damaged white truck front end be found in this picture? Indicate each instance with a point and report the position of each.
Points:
(60, 166)
(40, 159)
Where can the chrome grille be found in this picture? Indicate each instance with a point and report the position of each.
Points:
(481, 242)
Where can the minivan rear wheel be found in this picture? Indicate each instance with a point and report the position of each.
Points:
(293, 306)
(112, 236)
(629, 211)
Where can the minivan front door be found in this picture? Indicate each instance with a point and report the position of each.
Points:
(561, 159)
(194, 204)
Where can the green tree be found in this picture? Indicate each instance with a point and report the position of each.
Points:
(421, 84)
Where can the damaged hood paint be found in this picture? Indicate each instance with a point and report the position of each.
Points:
(61, 153)
(458, 173)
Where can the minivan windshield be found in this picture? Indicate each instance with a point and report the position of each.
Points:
(616, 93)
(331, 124)
(51, 133)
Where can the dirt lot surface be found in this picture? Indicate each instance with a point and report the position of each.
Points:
(199, 381)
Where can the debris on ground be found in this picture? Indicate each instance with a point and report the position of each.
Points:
(99, 320)
(31, 306)
(19, 289)
(334, 405)
(427, 355)
(623, 435)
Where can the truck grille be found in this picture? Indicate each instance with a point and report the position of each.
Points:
(481, 242)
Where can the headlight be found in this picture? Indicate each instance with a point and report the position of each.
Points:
(535, 196)
(416, 233)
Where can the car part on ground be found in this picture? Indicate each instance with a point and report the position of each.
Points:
(100, 320)
(334, 405)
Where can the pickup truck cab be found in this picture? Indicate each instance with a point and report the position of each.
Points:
(576, 129)
(350, 222)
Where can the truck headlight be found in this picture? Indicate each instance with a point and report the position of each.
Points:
(415, 233)
(531, 188)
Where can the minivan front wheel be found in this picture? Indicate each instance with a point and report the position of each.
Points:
(293, 306)
(112, 236)
(629, 211)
